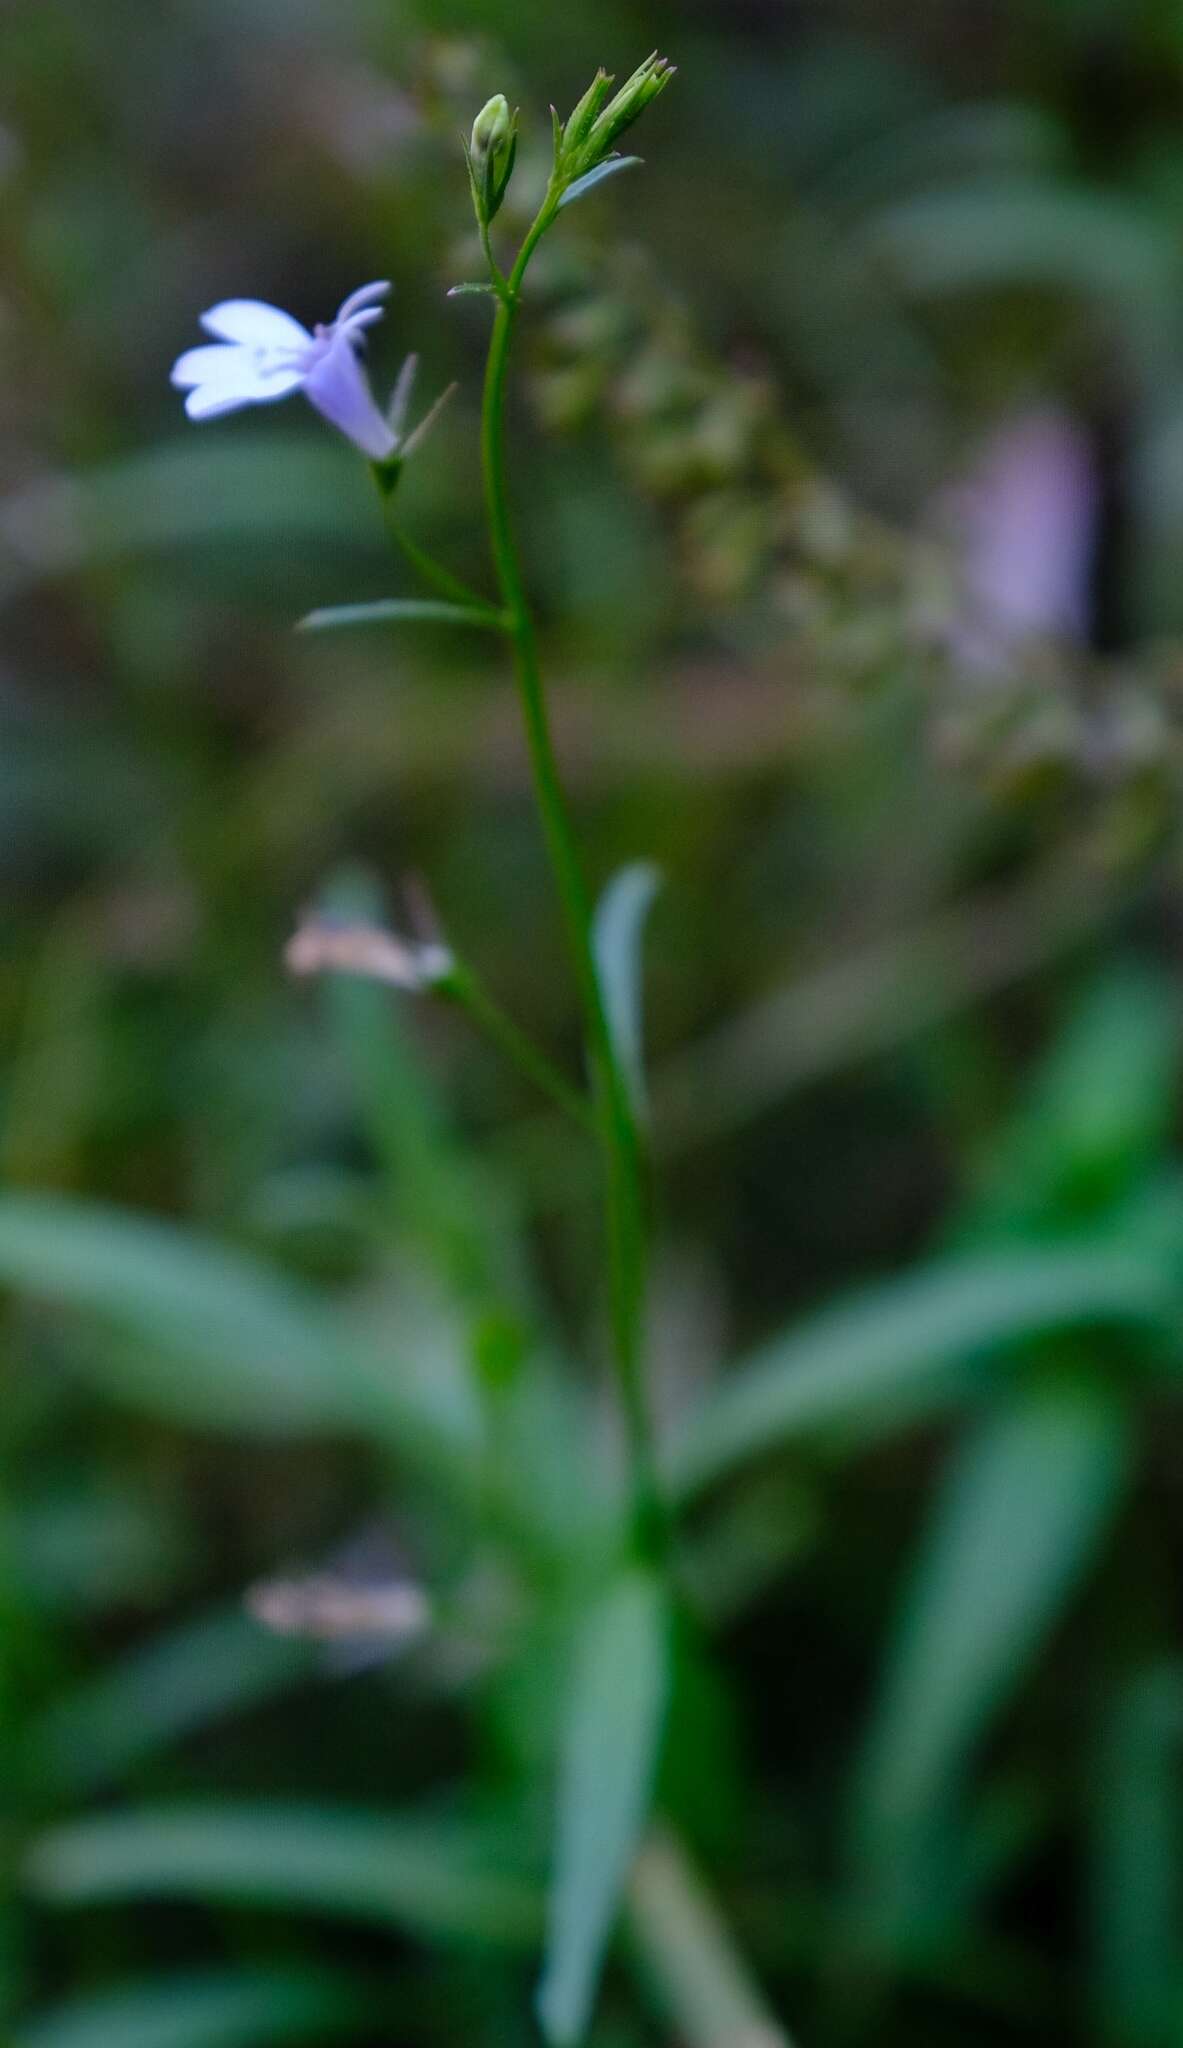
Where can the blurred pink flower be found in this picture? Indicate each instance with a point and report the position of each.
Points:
(1026, 520)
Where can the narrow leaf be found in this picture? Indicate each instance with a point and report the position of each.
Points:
(393, 611)
(213, 2009)
(687, 1952)
(617, 933)
(591, 179)
(609, 1762)
(433, 1875)
(1019, 1516)
(464, 291)
(168, 1688)
(206, 1334)
(909, 1342)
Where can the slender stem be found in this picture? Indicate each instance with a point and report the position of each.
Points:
(433, 573)
(464, 987)
(619, 1137)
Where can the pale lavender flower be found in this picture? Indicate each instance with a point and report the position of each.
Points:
(1026, 521)
(261, 354)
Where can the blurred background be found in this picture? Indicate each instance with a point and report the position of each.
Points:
(848, 446)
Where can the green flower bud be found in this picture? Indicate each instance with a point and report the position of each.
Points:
(491, 129)
(491, 152)
(627, 105)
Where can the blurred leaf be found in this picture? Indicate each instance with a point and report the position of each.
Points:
(616, 936)
(1020, 1514)
(912, 1340)
(166, 1689)
(259, 485)
(394, 611)
(949, 146)
(212, 2009)
(1021, 231)
(1138, 1862)
(435, 1875)
(609, 1764)
(590, 179)
(218, 1339)
(686, 1949)
(1099, 1112)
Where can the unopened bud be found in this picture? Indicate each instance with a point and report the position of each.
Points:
(491, 129)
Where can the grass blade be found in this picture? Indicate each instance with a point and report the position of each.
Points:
(436, 1876)
(1020, 1515)
(621, 1685)
(910, 1339)
(204, 1333)
(686, 1950)
(212, 2009)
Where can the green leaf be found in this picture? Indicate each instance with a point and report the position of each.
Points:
(1019, 1516)
(437, 1876)
(393, 611)
(910, 1341)
(206, 1334)
(261, 486)
(166, 1689)
(213, 2009)
(1011, 231)
(464, 291)
(592, 178)
(1098, 1113)
(616, 938)
(609, 1763)
(690, 1956)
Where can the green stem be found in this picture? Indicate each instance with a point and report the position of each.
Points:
(464, 987)
(433, 573)
(619, 1136)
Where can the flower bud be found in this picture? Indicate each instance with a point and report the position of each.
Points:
(490, 154)
(491, 129)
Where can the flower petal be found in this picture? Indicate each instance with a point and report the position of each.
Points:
(227, 394)
(255, 324)
(209, 365)
(339, 389)
(363, 296)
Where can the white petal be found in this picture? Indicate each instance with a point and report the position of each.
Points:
(362, 297)
(226, 394)
(256, 324)
(207, 365)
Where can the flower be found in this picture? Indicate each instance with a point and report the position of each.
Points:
(261, 354)
(325, 944)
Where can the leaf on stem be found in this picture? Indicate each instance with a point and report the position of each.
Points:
(590, 179)
(236, 2007)
(608, 1767)
(616, 938)
(464, 291)
(1020, 1515)
(393, 611)
(434, 1874)
(909, 1342)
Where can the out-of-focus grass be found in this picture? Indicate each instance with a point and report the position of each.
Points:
(296, 1277)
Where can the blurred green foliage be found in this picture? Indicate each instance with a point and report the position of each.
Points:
(299, 1280)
